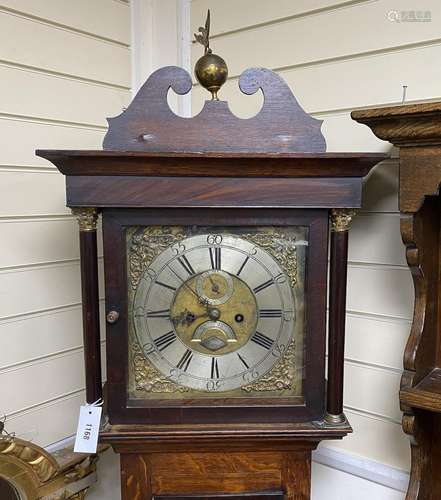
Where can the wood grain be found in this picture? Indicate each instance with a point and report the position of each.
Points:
(204, 192)
(91, 315)
(123, 410)
(253, 475)
(416, 130)
(209, 164)
(337, 320)
(148, 124)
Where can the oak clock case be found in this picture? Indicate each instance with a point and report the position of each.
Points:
(217, 316)
(215, 238)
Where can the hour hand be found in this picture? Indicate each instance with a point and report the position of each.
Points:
(186, 318)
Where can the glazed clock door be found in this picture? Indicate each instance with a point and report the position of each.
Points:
(217, 315)
(213, 312)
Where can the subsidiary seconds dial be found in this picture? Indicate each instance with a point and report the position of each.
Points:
(213, 312)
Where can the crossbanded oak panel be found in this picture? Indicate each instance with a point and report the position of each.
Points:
(215, 472)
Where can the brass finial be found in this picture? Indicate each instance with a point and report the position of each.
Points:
(211, 70)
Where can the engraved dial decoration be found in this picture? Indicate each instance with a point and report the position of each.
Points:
(213, 312)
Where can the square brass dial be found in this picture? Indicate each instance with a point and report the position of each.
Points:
(216, 311)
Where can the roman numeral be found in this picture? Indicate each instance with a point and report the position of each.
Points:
(215, 257)
(160, 283)
(214, 368)
(270, 313)
(186, 265)
(243, 361)
(263, 286)
(164, 313)
(242, 266)
(185, 360)
(165, 340)
(262, 340)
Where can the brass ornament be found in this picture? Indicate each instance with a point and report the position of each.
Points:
(211, 70)
(147, 246)
(341, 219)
(41, 462)
(36, 473)
(280, 246)
(282, 375)
(185, 300)
(87, 218)
(148, 378)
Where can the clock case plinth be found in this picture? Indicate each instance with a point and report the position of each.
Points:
(216, 169)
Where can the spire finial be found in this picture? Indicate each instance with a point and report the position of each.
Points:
(211, 70)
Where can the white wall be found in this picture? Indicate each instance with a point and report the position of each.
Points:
(64, 67)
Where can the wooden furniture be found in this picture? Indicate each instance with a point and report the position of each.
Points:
(416, 131)
(242, 422)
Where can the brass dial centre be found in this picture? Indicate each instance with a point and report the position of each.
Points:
(214, 313)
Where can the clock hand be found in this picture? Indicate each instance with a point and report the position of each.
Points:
(214, 286)
(186, 317)
(200, 299)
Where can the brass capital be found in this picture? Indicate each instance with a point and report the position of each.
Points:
(87, 218)
(341, 218)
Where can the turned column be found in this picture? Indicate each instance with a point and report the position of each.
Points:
(340, 222)
(87, 221)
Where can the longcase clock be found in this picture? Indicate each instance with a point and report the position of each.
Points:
(215, 234)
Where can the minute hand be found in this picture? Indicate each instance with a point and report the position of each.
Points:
(200, 299)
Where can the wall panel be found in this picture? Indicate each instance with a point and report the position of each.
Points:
(21, 137)
(39, 95)
(381, 290)
(304, 40)
(64, 68)
(350, 83)
(33, 189)
(364, 333)
(31, 43)
(40, 288)
(380, 439)
(101, 18)
(53, 332)
(255, 12)
(27, 241)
